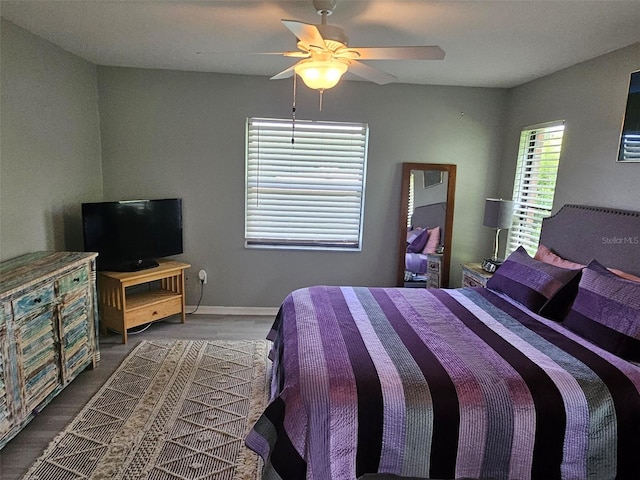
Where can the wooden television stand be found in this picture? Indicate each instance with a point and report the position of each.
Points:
(121, 310)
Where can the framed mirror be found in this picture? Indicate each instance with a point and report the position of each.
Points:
(427, 202)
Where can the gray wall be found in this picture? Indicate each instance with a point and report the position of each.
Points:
(167, 133)
(591, 98)
(50, 144)
(181, 134)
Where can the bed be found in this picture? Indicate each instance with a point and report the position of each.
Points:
(424, 236)
(536, 376)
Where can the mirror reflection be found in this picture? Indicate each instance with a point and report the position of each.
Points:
(428, 192)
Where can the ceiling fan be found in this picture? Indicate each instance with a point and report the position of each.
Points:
(326, 54)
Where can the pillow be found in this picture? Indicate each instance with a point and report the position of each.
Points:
(625, 275)
(545, 255)
(433, 241)
(418, 242)
(412, 233)
(534, 283)
(606, 312)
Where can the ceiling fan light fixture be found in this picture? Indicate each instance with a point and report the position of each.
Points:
(321, 74)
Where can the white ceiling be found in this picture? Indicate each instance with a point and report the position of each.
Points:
(487, 43)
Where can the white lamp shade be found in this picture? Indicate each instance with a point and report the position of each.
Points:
(498, 213)
(320, 74)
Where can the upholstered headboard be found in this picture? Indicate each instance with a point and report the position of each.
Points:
(582, 233)
(429, 216)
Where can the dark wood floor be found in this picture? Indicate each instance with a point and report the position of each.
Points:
(18, 455)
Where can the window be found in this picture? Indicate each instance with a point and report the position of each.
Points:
(630, 138)
(305, 184)
(535, 183)
(411, 199)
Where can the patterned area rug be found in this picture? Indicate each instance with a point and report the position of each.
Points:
(173, 410)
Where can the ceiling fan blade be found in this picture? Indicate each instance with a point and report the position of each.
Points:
(370, 73)
(296, 53)
(289, 72)
(306, 33)
(400, 53)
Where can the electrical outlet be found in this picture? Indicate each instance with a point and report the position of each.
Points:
(202, 275)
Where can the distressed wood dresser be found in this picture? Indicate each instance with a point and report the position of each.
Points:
(48, 331)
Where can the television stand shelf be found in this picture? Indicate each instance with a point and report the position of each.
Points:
(121, 310)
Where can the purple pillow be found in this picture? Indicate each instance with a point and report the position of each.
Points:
(606, 312)
(417, 243)
(531, 282)
(412, 234)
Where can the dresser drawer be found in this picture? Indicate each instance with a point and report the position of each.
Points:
(151, 313)
(468, 281)
(29, 303)
(73, 281)
(434, 266)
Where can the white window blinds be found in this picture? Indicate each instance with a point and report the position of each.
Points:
(305, 185)
(412, 202)
(535, 183)
(630, 147)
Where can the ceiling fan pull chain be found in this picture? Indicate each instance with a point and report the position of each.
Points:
(293, 112)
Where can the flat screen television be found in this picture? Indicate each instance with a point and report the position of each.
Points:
(131, 235)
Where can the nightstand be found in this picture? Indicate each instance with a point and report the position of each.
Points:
(434, 268)
(474, 276)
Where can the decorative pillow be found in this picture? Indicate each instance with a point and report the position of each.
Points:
(606, 311)
(412, 233)
(625, 275)
(545, 255)
(533, 283)
(418, 242)
(433, 241)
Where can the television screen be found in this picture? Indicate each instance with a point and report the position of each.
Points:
(132, 235)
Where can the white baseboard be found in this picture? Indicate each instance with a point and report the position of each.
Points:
(246, 311)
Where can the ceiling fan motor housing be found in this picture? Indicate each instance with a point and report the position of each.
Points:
(324, 6)
(331, 32)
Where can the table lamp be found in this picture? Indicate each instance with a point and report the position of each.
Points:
(498, 214)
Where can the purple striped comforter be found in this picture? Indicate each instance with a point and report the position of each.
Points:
(441, 384)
